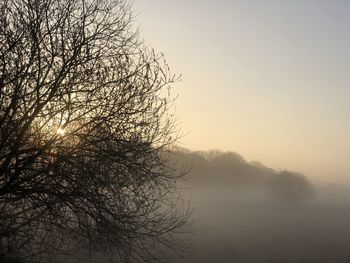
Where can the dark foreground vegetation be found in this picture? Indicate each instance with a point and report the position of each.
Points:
(84, 131)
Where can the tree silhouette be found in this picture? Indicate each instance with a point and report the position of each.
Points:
(291, 187)
(84, 131)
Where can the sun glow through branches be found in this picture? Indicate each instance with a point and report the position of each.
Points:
(60, 131)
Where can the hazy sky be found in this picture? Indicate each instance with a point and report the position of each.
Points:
(267, 79)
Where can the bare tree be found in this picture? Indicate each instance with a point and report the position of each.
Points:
(84, 130)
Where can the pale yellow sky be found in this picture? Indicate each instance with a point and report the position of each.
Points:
(267, 79)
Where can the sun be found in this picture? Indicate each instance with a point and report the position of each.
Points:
(60, 131)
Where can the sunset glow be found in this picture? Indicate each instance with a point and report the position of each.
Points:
(60, 131)
(267, 79)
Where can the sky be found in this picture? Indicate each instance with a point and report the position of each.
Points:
(268, 79)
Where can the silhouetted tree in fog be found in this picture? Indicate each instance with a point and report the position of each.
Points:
(84, 128)
(290, 187)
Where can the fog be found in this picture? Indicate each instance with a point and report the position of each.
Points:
(242, 215)
(245, 212)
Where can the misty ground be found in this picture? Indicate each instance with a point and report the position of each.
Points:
(238, 218)
(243, 226)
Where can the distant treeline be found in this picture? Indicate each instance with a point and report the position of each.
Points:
(231, 169)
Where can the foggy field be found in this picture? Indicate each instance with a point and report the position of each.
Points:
(243, 226)
(240, 214)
